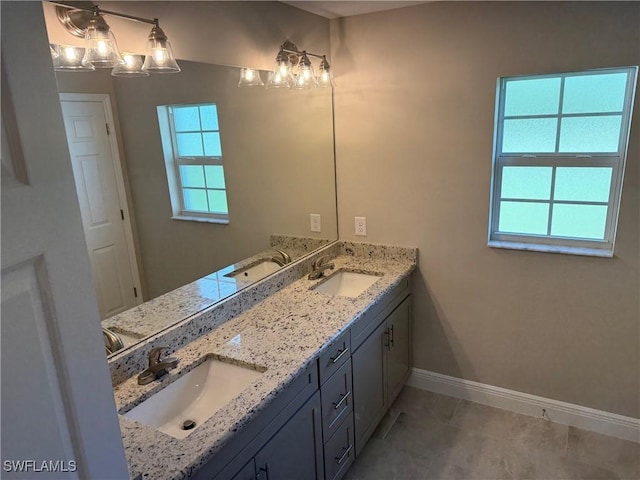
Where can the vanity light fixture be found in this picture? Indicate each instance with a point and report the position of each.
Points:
(101, 49)
(294, 69)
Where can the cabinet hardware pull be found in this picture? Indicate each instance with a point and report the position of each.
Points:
(391, 338)
(340, 354)
(386, 343)
(344, 397)
(339, 460)
(265, 470)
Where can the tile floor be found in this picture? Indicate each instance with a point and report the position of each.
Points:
(440, 437)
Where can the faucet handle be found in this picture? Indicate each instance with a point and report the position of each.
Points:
(154, 354)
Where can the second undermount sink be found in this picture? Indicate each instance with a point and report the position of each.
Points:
(347, 284)
(186, 403)
(255, 272)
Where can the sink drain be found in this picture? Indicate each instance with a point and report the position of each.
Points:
(188, 425)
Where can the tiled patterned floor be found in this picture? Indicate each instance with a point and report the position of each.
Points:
(439, 437)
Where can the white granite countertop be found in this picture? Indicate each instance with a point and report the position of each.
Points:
(283, 333)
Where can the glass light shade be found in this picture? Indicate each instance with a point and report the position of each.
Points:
(325, 79)
(132, 67)
(70, 59)
(305, 78)
(159, 54)
(101, 48)
(250, 77)
(278, 80)
(54, 50)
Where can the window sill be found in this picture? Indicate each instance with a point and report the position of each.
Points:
(188, 218)
(589, 252)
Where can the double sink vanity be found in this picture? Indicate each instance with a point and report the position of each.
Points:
(287, 379)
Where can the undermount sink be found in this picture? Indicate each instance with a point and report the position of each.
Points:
(186, 403)
(255, 272)
(346, 284)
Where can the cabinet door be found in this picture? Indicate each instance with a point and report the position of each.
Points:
(248, 472)
(398, 354)
(369, 385)
(295, 452)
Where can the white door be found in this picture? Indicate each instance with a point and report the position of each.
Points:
(96, 170)
(58, 418)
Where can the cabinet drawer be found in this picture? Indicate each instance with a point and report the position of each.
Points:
(337, 399)
(337, 353)
(339, 451)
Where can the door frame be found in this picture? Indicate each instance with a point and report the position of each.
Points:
(105, 99)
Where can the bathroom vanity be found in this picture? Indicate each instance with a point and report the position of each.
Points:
(330, 365)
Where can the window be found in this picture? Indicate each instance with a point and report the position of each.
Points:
(193, 157)
(559, 155)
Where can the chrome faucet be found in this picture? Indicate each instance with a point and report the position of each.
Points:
(319, 267)
(156, 367)
(285, 256)
(112, 341)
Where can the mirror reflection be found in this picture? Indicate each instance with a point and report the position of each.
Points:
(191, 185)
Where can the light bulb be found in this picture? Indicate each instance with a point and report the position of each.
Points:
(159, 54)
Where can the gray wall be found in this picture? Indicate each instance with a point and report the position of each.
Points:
(414, 124)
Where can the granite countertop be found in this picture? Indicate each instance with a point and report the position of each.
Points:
(284, 333)
(147, 318)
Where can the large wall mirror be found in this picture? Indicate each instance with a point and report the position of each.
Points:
(277, 169)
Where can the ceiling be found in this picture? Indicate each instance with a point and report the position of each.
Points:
(337, 8)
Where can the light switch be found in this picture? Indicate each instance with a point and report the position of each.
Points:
(316, 226)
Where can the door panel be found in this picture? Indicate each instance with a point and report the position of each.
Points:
(398, 356)
(95, 178)
(295, 452)
(368, 385)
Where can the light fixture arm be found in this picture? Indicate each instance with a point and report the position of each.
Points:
(97, 9)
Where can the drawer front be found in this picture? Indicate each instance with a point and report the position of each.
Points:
(335, 356)
(339, 451)
(337, 399)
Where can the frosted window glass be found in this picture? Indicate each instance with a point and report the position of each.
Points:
(534, 135)
(215, 176)
(209, 116)
(538, 96)
(186, 119)
(590, 134)
(212, 147)
(520, 217)
(218, 201)
(189, 144)
(192, 176)
(532, 183)
(594, 93)
(583, 184)
(195, 200)
(579, 221)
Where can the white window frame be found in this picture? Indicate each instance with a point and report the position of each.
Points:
(548, 243)
(173, 163)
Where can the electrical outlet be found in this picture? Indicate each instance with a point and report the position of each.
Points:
(361, 226)
(316, 225)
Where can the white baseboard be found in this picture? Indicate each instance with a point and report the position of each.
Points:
(599, 421)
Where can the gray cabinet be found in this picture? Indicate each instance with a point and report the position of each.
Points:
(295, 452)
(381, 366)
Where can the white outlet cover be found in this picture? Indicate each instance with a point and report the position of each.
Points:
(361, 226)
(316, 225)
